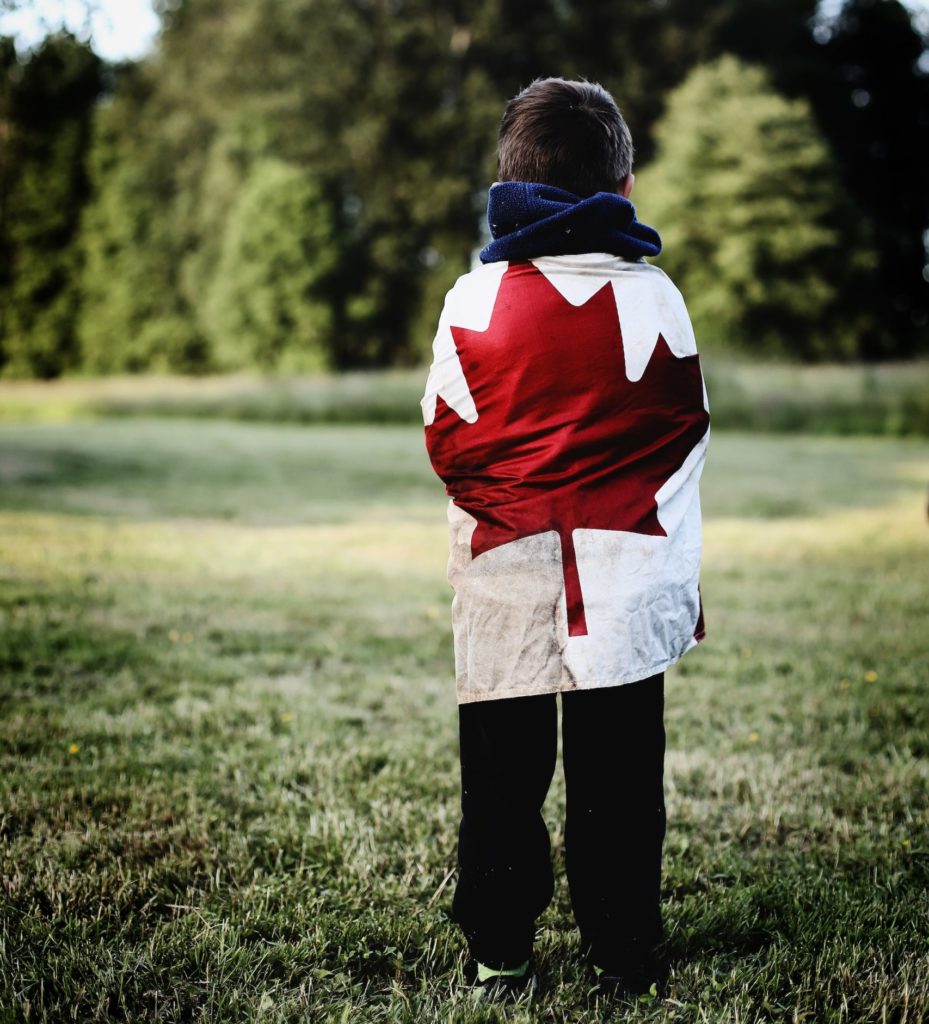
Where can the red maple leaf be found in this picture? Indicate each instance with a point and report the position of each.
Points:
(563, 440)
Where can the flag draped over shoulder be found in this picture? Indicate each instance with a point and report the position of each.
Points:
(565, 412)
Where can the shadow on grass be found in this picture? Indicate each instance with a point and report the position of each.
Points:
(239, 472)
(50, 651)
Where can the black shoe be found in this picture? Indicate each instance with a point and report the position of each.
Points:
(500, 988)
(640, 977)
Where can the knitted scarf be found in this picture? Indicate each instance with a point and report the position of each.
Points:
(528, 220)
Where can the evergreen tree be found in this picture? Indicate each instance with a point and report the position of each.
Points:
(871, 97)
(755, 224)
(371, 102)
(46, 110)
(133, 316)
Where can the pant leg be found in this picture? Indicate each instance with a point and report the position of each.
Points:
(613, 750)
(508, 754)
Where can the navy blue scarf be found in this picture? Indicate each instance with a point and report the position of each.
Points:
(529, 220)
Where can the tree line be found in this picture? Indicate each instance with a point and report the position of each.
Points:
(294, 185)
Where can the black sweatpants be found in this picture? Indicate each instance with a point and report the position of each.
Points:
(613, 745)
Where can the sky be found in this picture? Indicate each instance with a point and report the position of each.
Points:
(119, 29)
(125, 29)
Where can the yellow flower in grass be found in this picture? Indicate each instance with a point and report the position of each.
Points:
(173, 636)
(287, 716)
(754, 736)
(844, 684)
(74, 748)
(870, 676)
(905, 842)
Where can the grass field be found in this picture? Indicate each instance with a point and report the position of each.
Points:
(228, 735)
(889, 399)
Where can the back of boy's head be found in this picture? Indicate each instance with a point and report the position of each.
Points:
(567, 134)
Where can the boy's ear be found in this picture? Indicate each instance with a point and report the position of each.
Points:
(624, 188)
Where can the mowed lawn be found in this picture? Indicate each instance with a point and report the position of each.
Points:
(228, 735)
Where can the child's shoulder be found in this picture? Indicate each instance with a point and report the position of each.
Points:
(471, 298)
(481, 275)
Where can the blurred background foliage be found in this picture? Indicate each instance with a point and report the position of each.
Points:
(294, 185)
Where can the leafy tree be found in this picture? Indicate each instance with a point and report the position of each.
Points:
(754, 220)
(379, 103)
(388, 110)
(267, 306)
(860, 70)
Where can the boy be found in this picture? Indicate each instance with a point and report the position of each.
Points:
(566, 413)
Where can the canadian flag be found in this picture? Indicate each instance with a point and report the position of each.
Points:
(566, 413)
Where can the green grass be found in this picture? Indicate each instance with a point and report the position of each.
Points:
(890, 399)
(228, 735)
(363, 397)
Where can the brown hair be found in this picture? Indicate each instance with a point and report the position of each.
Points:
(567, 134)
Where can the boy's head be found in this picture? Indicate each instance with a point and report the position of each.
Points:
(567, 134)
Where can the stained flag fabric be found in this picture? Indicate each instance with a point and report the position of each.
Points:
(566, 413)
